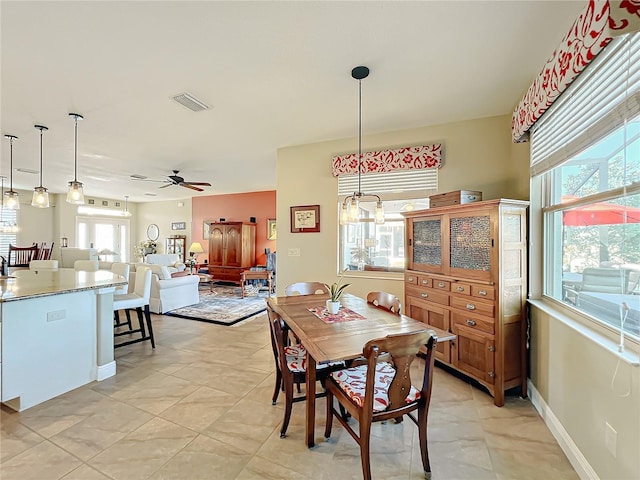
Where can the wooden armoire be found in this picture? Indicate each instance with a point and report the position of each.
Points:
(232, 249)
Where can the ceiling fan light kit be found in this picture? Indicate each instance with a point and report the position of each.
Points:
(350, 211)
(75, 194)
(11, 199)
(40, 197)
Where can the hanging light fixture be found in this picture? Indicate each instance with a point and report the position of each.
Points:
(350, 211)
(75, 194)
(126, 211)
(40, 197)
(11, 200)
(5, 225)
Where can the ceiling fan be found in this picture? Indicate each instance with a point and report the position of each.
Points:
(175, 179)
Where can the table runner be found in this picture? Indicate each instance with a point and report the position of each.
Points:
(344, 315)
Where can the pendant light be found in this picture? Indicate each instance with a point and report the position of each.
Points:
(11, 200)
(350, 211)
(5, 226)
(75, 194)
(126, 211)
(40, 197)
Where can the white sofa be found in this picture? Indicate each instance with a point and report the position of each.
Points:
(169, 260)
(168, 293)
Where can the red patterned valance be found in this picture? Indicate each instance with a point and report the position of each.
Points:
(598, 23)
(407, 158)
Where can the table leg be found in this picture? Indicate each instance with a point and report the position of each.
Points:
(311, 401)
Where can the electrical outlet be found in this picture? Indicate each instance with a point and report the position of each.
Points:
(56, 315)
(294, 252)
(610, 438)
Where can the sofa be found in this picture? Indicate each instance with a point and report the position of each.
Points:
(169, 260)
(167, 292)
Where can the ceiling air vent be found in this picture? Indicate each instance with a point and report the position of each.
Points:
(189, 101)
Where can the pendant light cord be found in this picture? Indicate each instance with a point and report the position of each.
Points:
(11, 164)
(359, 134)
(75, 151)
(41, 131)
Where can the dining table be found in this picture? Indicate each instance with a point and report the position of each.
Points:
(333, 338)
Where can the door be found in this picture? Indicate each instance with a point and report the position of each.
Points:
(108, 236)
(233, 246)
(434, 315)
(472, 247)
(216, 245)
(425, 244)
(474, 353)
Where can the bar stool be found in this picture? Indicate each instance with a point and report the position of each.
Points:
(138, 299)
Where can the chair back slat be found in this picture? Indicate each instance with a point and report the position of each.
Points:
(306, 288)
(384, 300)
(278, 338)
(21, 256)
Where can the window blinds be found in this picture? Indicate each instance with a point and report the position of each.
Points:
(389, 183)
(599, 101)
(10, 217)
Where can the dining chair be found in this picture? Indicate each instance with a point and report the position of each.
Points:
(19, 257)
(384, 300)
(382, 389)
(44, 252)
(43, 265)
(137, 300)
(305, 288)
(290, 360)
(86, 265)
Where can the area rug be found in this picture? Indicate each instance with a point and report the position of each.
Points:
(224, 306)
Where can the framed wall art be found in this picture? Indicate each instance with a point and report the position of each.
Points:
(206, 229)
(271, 229)
(305, 219)
(178, 225)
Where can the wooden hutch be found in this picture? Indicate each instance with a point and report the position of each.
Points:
(467, 274)
(232, 249)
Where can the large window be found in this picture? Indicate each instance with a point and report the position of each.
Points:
(369, 247)
(586, 158)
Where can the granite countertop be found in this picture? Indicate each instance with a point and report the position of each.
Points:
(26, 284)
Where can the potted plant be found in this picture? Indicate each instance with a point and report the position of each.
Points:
(335, 292)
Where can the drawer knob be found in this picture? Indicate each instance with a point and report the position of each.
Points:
(491, 374)
(483, 293)
(424, 295)
(441, 284)
(425, 282)
(410, 279)
(471, 323)
(460, 289)
(492, 348)
(471, 306)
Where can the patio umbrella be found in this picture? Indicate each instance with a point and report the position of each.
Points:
(600, 213)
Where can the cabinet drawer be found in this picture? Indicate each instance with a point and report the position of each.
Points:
(425, 281)
(429, 294)
(474, 322)
(411, 278)
(473, 305)
(461, 288)
(483, 292)
(441, 285)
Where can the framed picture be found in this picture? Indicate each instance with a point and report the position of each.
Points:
(105, 203)
(178, 226)
(305, 219)
(206, 229)
(271, 229)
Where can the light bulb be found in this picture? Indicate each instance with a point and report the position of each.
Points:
(379, 213)
(11, 200)
(40, 198)
(354, 210)
(344, 214)
(75, 194)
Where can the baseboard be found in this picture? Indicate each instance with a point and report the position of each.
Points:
(570, 449)
(106, 371)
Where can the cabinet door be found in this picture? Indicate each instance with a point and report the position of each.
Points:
(216, 245)
(425, 244)
(471, 245)
(434, 315)
(474, 353)
(233, 246)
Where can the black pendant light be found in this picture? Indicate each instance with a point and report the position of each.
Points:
(11, 200)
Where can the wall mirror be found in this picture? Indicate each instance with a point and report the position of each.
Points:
(153, 232)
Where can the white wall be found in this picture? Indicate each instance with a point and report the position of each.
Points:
(163, 214)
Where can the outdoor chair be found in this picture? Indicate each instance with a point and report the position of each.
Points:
(306, 288)
(381, 390)
(136, 300)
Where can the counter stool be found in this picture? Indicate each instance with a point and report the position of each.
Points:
(138, 299)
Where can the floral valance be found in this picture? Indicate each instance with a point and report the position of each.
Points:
(407, 158)
(594, 28)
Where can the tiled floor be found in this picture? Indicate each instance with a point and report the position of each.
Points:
(199, 407)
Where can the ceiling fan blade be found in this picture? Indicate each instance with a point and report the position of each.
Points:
(149, 180)
(186, 185)
(167, 185)
(206, 184)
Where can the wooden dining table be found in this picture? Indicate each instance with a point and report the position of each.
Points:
(333, 342)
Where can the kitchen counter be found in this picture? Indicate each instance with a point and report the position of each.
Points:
(57, 333)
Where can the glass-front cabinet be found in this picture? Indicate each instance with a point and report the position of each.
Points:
(176, 244)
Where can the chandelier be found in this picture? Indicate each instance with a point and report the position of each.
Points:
(350, 211)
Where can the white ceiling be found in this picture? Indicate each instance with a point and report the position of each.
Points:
(276, 74)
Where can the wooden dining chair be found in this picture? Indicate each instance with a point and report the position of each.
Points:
(306, 288)
(384, 300)
(44, 252)
(20, 257)
(382, 389)
(291, 362)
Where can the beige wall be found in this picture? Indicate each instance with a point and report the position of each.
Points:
(573, 374)
(478, 155)
(163, 214)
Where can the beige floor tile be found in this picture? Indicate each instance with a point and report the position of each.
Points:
(201, 408)
(85, 472)
(43, 461)
(522, 465)
(16, 438)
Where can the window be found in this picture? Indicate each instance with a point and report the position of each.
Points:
(366, 246)
(8, 235)
(585, 155)
(104, 234)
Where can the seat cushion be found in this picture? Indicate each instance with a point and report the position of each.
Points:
(297, 359)
(352, 381)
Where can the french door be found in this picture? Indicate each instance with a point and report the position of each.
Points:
(104, 235)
